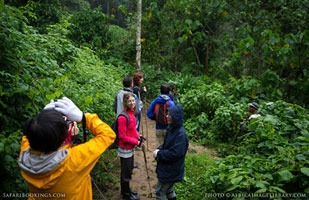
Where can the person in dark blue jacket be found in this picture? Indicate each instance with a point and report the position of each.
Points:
(153, 115)
(171, 154)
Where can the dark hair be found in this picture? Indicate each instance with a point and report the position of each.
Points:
(254, 105)
(136, 78)
(127, 81)
(165, 88)
(46, 131)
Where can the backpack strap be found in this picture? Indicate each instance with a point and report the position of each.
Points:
(126, 116)
(157, 107)
(156, 110)
(166, 105)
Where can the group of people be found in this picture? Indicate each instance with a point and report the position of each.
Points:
(171, 150)
(54, 161)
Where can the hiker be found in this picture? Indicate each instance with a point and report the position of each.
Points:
(250, 114)
(118, 103)
(128, 139)
(51, 170)
(161, 103)
(173, 93)
(140, 92)
(170, 156)
(127, 87)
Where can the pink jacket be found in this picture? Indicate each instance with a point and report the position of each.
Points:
(128, 137)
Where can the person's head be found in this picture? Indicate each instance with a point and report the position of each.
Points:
(253, 107)
(165, 89)
(175, 115)
(138, 79)
(128, 101)
(127, 82)
(46, 131)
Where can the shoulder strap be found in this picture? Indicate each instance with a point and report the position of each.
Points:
(126, 116)
(156, 110)
(167, 103)
(136, 88)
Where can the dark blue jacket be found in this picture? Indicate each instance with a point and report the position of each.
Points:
(151, 110)
(171, 157)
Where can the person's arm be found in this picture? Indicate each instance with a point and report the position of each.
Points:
(174, 152)
(103, 132)
(119, 102)
(171, 103)
(150, 112)
(84, 156)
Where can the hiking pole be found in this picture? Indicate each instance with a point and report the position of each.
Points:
(101, 194)
(146, 128)
(141, 123)
(145, 160)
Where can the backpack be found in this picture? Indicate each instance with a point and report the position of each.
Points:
(160, 113)
(115, 129)
(119, 100)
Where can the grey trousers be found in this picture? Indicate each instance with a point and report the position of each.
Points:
(165, 190)
(160, 135)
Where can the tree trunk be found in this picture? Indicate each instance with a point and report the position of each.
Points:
(207, 55)
(138, 35)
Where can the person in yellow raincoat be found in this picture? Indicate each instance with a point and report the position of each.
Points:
(53, 171)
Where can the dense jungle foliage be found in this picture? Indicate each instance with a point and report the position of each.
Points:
(221, 55)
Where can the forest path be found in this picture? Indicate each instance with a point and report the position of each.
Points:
(140, 182)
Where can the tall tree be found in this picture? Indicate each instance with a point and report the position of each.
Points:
(138, 35)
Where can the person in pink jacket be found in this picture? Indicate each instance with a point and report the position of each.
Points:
(128, 139)
(56, 171)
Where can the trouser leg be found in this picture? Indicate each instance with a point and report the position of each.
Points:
(126, 174)
(125, 188)
(126, 192)
(165, 190)
(160, 135)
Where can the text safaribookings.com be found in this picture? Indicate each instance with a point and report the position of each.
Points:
(33, 195)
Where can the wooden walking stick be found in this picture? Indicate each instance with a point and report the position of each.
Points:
(145, 160)
(146, 129)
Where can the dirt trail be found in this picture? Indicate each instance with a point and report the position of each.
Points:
(140, 182)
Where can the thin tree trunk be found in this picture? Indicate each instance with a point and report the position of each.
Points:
(196, 54)
(206, 56)
(138, 35)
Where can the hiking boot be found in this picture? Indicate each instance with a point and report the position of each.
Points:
(133, 192)
(129, 196)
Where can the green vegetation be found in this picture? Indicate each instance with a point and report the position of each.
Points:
(220, 54)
